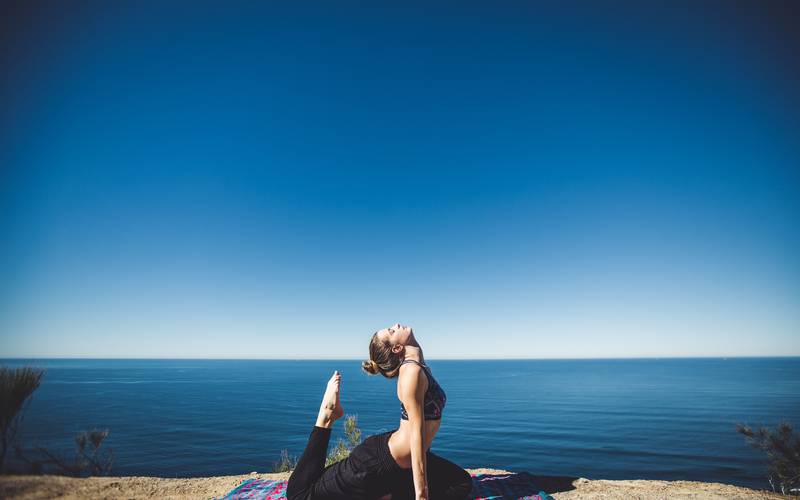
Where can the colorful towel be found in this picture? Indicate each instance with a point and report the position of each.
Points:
(262, 489)
(506, 487)
(484, 487)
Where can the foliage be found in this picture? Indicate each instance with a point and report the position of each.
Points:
(90, 458)
(286, 463)
(339, 452)
(343, 448)
(16, 387)
(783, 452)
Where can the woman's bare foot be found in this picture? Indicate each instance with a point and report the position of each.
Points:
(331, 409)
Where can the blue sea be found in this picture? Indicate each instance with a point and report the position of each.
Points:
(671, 418)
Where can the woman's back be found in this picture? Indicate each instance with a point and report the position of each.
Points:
(400, 441)
(434, 399)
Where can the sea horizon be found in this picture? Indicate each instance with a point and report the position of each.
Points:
(166, 358)
(642, 418)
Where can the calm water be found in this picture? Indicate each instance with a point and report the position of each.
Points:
(611, 419)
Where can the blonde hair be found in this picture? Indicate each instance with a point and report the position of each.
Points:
(381, 358)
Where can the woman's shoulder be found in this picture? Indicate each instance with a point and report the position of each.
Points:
(410, 366)
(413, 372)
(417, 366)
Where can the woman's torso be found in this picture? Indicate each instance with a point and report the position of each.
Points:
(400, 440)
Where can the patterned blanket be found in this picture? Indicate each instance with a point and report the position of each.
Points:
(484, 487)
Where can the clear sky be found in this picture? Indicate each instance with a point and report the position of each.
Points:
(231, 179)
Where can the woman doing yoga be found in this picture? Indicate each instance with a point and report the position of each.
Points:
(397, 464)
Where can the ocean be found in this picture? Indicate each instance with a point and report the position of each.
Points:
(670, 418)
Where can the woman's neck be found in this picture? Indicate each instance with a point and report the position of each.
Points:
(414, 353)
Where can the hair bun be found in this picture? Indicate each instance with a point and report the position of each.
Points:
(370, 366)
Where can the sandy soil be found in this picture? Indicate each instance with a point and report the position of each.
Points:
(562, 488)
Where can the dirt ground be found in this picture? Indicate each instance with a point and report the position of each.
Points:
(561, 488)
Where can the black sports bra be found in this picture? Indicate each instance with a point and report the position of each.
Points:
(435, 398)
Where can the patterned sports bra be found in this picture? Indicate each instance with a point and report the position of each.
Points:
(435, 398)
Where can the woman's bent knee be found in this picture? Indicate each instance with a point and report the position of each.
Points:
(463, 488)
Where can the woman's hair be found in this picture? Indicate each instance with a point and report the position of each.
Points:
(381, 358)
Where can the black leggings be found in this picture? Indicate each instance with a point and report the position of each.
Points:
(369, 472)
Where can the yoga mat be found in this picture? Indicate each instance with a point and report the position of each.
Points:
(484, 487)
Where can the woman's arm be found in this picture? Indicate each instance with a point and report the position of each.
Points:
(412, 394)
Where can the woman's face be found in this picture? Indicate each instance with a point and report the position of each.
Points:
(396, 334)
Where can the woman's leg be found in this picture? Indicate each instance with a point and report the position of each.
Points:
(447, 480)
(312, 462)
(402, 485)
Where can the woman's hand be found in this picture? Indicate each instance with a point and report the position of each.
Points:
(423, 495)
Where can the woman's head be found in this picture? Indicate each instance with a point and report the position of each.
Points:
(387, 349)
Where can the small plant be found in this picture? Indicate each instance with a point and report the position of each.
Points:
(343, 448)
(783, 451)
(339, 452)
(16, 387)
(286, 463)
(89, 458)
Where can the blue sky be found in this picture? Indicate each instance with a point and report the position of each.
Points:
(511, 179)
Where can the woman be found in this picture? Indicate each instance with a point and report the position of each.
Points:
(397, 464)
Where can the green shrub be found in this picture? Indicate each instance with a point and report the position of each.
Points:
(286, 463)
(783, 453)
(344, 446)
(90, 458)
(16, 387)
(340, 451)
